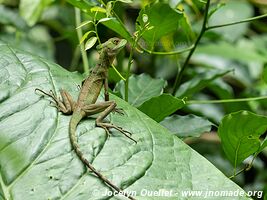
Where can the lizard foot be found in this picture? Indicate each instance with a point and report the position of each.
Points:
(119, 111)
(64, 105)
(107, 126)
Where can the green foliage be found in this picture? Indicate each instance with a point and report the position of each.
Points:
(187, 126)
(161, 26)
(240, 134)
(161, 106)
(36, 155)
(143, 88)
(90, 43)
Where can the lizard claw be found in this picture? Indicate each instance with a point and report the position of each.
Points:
(119, 111)
(106, 126)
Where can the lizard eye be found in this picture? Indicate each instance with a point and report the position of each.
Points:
(116, 42)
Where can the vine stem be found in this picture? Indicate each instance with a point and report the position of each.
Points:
(167, 52)
(237, 22)
(226, 100)
(80, 34)
(203, 30)
(246, 168)
(130, 61)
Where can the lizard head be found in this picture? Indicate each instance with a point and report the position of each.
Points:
(112, 47)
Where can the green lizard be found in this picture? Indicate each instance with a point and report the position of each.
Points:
(86, 104)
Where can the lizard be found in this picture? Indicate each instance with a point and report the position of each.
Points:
(86, 104)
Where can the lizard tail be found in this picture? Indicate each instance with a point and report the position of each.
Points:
(75, 119)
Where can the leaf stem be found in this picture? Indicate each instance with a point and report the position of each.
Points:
(203, 29)
(167, 52)
(237, 22)
(119, 74)
(226, 100)
(95, 26)
(246, 168)
(79, 34)
(237, 173)
(130, 61)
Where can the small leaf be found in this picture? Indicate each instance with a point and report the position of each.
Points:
(187, 126)
(240, 133)
(84, 23)
(213, 10)
(109, 8)
(161, 106)
(145, 18)
(90, 43)
(85, 36)
(142, 88)
(174, 3)
(105, 19)
(117, 27)
(125, 1)
(98, 9)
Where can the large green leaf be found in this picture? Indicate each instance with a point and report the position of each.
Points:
(117, 27)
(240, 134)
(161, 106)
(37, 162)
(187, 126)
(141, 88)
(163, 19)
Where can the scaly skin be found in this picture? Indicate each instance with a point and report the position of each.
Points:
(86, 104)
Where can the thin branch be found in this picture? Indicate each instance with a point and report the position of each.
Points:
(238, 22)
(119, 74)
(203, 29)
(166, 53)
(226, 100)
(130, 62)
(80, 34)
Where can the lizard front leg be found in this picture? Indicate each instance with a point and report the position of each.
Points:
(66, 105)
(104, 108)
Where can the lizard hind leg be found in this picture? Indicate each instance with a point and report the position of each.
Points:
(66, 105)
(104, 108)
(107, 126)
